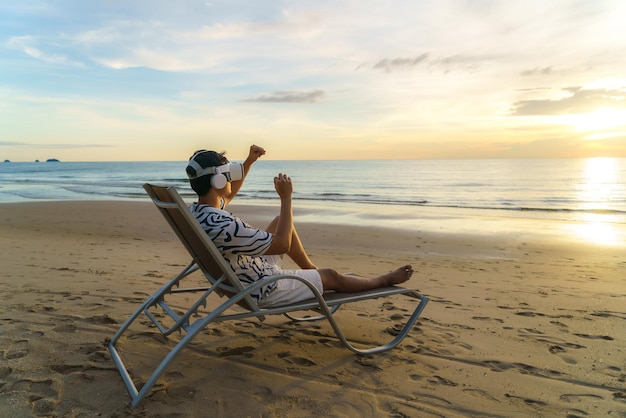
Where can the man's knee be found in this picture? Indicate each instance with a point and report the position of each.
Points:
(331, 278)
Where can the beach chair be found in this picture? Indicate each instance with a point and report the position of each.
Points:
(222, 281)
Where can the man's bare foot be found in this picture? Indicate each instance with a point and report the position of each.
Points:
(399, 275)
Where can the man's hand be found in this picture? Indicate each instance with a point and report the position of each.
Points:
(235, 186)
(281, 239)
(255, 153)
(283, 186)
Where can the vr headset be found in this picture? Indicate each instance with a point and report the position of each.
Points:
(221, 174)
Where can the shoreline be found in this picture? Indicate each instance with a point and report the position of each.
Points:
(589, 235)
(515, 326)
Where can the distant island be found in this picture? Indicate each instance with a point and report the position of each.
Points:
(49, 160)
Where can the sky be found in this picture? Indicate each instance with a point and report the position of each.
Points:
(325, 79)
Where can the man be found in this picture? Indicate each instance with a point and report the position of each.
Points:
(253, 253)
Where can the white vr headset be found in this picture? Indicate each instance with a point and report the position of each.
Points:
(221, 174)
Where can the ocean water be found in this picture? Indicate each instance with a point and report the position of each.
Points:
(580, 198)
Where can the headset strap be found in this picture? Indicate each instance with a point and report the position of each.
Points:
(200, 171)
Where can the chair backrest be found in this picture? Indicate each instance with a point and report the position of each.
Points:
(197, 242)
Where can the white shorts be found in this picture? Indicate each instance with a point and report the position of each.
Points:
(293, 290)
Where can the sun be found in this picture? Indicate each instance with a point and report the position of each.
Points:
(599, 120)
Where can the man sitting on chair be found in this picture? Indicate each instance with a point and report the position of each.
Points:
(253, 253)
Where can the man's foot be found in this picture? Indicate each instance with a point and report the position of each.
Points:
(399, 275)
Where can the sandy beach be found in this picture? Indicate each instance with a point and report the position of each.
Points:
(515, 327)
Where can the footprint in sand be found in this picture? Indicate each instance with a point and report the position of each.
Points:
(65, 328)
(438, 380)
(329, 342)
(42, 388)
(148, 337)
(526, 331)
(41, 308)
(580, 398)
(237, 351)
(527, 401)
(101, 319)
(595, 337)
(395, 330)
(67, 368)
(18, 349)
(529, 314)
(560, 351)
(479, 393)
(560, 325)
(5, 372)
(499, 366)
(555, 349)
(101, 356)
(41, 394)
(369, 361)
(618, 315)
(487, 319)
(616, 372)
(300, 361)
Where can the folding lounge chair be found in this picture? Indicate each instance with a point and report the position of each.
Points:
(223, 282)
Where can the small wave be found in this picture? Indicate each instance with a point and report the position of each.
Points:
(506, 206)
(175, 180)
(351, 196)
(566, 210)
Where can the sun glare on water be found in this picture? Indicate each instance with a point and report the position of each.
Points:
(600, 184)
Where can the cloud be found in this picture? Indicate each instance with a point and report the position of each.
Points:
(447, 64)
(45, 50)
(289, 97)
(538, 71)
(25, 44)
(578, 101)
(399, 63)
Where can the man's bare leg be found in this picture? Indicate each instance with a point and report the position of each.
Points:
(296, 252)
(333, 280)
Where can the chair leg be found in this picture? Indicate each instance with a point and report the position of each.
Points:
(115, 355)
(384, 347)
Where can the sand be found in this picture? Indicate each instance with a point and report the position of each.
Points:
(515, 327)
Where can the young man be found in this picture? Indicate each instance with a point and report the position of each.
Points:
(253, 253)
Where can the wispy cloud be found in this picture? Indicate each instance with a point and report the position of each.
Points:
(538, 71)
(577, 101)
(389, 65)
(427, 61)
(29, 46)
(289, 97)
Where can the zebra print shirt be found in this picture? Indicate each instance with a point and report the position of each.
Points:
(241, 245)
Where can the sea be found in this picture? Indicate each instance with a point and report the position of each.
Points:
(576, 199)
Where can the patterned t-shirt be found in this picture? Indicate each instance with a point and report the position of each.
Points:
(241, 245)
